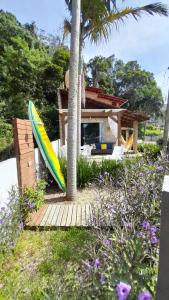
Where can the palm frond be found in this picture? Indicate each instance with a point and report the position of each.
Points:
(101, 28)
(67, 27)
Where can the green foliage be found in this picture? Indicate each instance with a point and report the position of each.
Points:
(13, 217)
(36, 266)
(29, 70)
(150, 150)
(88, 172)
(6, 145)
(128, 81)
(152, 130)
(32, 199)
(129, 252)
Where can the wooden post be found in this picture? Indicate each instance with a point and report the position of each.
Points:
(135, 136)
(163, 270)
(127, 134)
(62, 128)
(25, 156)
(119, 129)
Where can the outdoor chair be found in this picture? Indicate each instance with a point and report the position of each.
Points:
(85, 150)
(117, 154)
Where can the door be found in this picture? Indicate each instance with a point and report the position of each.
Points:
(90, 133)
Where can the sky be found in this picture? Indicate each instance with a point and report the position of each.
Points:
(146, 41)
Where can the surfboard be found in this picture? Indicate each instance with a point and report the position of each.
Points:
(45, 146)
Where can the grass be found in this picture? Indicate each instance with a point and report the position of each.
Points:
(38, 261)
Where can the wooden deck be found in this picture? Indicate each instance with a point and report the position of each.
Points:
(61, 215)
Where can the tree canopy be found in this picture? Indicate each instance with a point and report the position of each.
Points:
(30, 68)
(127, 80)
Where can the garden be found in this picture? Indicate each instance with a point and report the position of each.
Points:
(115, 262)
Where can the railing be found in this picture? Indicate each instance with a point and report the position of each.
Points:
(163, 272)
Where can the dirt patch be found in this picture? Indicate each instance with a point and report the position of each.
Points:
(86, 195)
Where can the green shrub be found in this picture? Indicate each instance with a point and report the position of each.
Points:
(14, 215)
(6, 150)
(6, 140)
(90, 171)
(151, 151)
(160, 143)
(32, 199)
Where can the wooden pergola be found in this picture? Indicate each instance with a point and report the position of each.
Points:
(125, 119)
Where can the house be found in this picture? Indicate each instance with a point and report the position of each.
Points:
(103, 118)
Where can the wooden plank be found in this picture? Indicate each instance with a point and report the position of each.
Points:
(69, 216)
(88, 214)
(79, 215)
(59, 219)
(65, 214)
(73, 221)
(55, 216)
(51, 214)
(83, 215)
(34, 218)
(41, 214)
(46, 216)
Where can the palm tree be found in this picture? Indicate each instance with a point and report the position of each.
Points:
(97, 19)
(72, 102)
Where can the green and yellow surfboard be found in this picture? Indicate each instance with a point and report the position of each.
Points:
(45, 146)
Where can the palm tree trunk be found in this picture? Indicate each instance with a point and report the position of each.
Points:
(72, 103)
(79, 101)
(166, 127)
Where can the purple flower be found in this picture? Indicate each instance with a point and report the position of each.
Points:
(154, 240)
(123, 290)
(1, 221)
(141, 234)
(126, 224)
(11, 243)
(106, 243)
(142, 190)
(88, 265)
(145, 224)
(160, 169)
(21, 225)
(31, 205)
(97, 262)
(144, 295)
(141, 174)
(153, 229)
(2, 208)
(102, 278)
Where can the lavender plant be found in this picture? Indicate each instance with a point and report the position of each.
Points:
(14, 215)
(122, 262)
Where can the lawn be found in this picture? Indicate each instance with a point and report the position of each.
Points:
(38, 261)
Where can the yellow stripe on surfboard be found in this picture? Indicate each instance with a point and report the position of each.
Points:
(45, 146)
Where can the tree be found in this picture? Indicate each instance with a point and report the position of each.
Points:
(72, 103)
(128, 81)
(29, 70)
(97, 18)
(101, 73)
